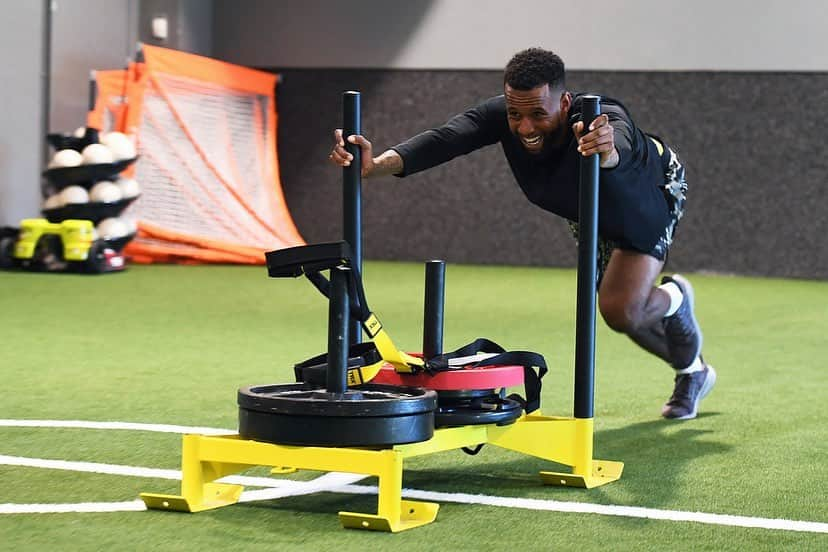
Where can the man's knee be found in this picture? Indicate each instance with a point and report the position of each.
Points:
(622, 316)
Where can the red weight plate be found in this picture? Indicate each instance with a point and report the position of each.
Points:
(487, 377)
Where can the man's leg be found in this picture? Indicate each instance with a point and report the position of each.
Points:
(631, 305)
(660, 320)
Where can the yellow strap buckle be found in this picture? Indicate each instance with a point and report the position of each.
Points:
(401, 361)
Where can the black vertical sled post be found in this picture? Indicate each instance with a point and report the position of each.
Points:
(435, 288)
(587, 272)
(352, 189)
(338, 318)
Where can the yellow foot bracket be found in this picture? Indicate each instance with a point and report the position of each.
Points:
(566, 441)
(214, 495)
(412, 514)
(603, 472)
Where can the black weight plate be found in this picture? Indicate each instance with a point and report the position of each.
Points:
(335, 431)
(86, 175)
(464, 394)
(493, 411)
(93, 211)
(303, 399)
(367, 415)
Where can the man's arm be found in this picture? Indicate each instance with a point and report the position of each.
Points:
(388, 162)
(462, 134)
(471, 130)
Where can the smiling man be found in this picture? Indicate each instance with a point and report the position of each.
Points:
(537, 122)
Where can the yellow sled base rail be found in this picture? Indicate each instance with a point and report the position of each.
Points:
(205, 459)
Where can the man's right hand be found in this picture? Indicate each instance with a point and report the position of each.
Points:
(339, 156)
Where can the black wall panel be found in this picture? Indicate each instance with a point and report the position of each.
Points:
(752, 143)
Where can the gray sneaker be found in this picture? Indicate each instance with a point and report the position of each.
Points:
(690, 389)
(684, 336)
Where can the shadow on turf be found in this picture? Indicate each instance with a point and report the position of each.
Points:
(656, 454)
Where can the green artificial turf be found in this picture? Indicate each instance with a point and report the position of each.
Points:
(172, 344)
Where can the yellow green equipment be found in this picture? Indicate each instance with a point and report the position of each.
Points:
(75, 236)
(71, 245)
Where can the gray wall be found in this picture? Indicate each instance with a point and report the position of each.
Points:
(639, 35)
(190, 24)
(79, 29)
(756, 203)
(718, 80)
(42, 95)
(22, 79)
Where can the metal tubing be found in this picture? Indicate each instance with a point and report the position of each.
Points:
(435, 292)
(93, 91)
(338, 318)
(352, 188)
(587, 272)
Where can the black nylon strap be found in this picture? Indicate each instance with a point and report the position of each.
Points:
(480, 345)
(529, 360)
(313, 370)
(364, 354)
(359, 305)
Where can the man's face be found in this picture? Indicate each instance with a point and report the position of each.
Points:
(538, 116)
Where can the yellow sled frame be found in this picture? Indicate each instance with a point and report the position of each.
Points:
(205, 459)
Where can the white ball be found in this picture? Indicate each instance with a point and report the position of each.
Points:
(119, 144)
(95, 154)
(66, 158)
(53, 202)
(129, 187)
(112, 228)
(80, 132)
(72, 195)
(105, 192)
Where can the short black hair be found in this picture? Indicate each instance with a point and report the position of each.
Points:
(535, 67)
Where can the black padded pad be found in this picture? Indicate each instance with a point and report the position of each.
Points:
(295, 261)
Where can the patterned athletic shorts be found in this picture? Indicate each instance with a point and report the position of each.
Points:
(675, 192)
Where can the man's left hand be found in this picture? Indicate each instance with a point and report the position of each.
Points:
(599, 139)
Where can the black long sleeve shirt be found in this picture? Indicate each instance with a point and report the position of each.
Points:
(632, 209)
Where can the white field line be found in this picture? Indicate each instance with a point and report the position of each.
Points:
(276, 488)
(83, 507)
(602, 509)
(80, 424)
(341, 482)
(156, 473)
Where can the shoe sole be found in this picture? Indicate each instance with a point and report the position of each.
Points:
(688, 290)
(709, 382)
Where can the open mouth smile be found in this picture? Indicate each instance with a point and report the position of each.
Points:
(532, 143)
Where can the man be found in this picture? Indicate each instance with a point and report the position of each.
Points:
(641, 198)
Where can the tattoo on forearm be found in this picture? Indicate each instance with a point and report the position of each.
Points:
(389, 162)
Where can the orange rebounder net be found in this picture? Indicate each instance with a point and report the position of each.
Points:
(207, 167)
(109, 111)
